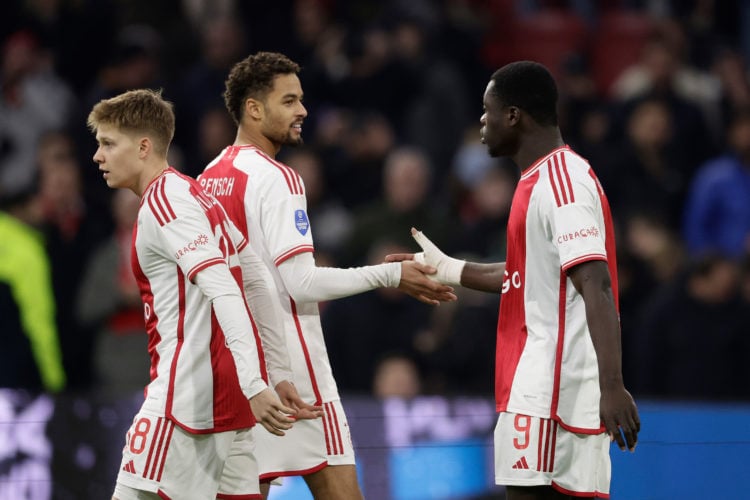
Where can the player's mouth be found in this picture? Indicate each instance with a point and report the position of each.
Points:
(297, 127)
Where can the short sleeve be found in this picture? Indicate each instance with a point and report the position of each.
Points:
(577, 226)
(183, 231)
(284, 221)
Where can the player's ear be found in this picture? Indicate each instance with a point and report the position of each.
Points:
(144, 147)
(513, 114)
(254, 108)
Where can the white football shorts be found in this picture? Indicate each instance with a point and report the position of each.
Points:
(307, 447)
(164, 460)
(533, 451)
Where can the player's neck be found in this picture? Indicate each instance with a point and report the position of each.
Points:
(537, 145)
(149, 174)
(246, 137)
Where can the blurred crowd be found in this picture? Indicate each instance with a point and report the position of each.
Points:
(654, 93)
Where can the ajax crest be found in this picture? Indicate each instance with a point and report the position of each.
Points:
(301, 222)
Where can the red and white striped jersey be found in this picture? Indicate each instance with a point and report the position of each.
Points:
(266, 201)
(546, 365)
(194, 379)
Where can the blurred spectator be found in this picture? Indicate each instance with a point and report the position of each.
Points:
(31, 356)
(485, 215)
(396, 376)
(717, 212)
(647, 170)
(355, 147)
(692, 96)
(696, 353)
(109, 304)
(199, 104)
(650, 255)
(579, 98)
(215, 130)
(404, 204)
(438, 112)
(71, 231)
(664, 68)
(33, 101)
(471, 161)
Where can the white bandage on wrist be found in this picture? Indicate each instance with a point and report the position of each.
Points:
(448, 269)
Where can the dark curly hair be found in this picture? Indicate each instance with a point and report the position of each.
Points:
(253, 77)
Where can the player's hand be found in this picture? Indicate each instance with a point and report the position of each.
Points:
(401, 257)
(620, 416)
(448, 269)
(290, 397)
(416, 281)
(270, 413)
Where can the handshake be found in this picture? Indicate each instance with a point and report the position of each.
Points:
(429, 274)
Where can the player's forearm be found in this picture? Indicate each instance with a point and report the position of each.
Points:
(306, 282)
(217, 283)
(483, 277)
(271, 332)
(593, 282)
(260, 295)
(605, 335)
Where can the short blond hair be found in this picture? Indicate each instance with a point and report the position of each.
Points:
(137, 111)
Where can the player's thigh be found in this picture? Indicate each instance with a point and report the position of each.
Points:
(239, 478)
(532, 451)
(161, 458)
(334, 482)
(338, 437)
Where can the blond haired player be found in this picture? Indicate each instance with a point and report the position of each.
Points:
(191, 438)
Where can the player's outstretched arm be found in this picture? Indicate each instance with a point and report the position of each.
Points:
(617, 407)
(307, 282)
(290, 397)
(270, 413)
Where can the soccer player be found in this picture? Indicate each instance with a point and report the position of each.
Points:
(559, 387)
(266, 200)
(191, 438)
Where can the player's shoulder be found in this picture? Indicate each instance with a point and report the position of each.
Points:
(274, 172)
(560, 174)
(264, 171)
(561, 165)
(167, 195)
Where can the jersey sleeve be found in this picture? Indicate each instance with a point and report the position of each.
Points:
(258, 287)
(181, 230)
(308, 283)
(576, 221)
(284, 221)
